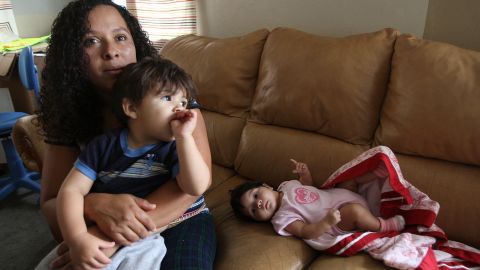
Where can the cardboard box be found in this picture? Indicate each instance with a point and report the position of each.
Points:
(23, 100)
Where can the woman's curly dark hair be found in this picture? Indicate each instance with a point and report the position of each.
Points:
(71, 109)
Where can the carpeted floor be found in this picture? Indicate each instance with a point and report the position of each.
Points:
(24, 234)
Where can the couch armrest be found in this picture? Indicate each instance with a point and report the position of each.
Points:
(29, 142)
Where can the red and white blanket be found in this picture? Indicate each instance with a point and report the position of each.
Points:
(421, 245)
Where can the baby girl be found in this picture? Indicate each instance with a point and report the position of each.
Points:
(300, 209)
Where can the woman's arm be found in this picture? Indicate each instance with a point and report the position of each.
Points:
(201, 139)
(58, 160)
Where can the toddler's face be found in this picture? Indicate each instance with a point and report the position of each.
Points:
(157, 110)
(260, 203)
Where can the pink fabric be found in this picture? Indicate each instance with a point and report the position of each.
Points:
(310, 204)
(412, 248)
(395, 223)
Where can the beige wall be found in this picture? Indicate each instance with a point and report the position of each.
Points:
(34, 18)
(456, 22)
(222, 18)
(453, 21)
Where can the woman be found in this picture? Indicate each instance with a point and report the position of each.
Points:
(91, 42)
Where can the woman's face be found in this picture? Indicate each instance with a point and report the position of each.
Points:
(108, 46)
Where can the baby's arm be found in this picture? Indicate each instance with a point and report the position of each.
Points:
(314, 230)
(303, 172)
(85, 248)
(194, 177)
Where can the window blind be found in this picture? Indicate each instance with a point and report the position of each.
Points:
(165, 19)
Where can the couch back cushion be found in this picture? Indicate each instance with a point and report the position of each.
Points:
(332, 86)
(432, 104)
(455, 186)
(224, 70)
(225, 73)
(265, 151)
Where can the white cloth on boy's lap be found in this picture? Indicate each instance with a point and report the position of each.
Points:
(147, 253)
(144, 254)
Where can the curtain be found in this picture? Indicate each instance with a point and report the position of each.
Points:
(165, 19)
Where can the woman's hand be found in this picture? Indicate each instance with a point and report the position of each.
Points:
(121, 217)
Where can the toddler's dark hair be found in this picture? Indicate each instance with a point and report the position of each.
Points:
(237, 193)
(157, 74)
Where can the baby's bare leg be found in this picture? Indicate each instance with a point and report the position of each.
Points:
(357, 217)
(350, 185)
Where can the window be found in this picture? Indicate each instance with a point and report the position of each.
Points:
(165, 19)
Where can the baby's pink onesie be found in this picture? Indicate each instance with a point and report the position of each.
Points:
(310, 204)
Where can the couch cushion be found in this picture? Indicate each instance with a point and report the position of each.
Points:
(223, 136)
(215, 195)
(333, 86)
(219, 175)
(254, 245)
(455, 186)
(265, 151)
(432, 104)
(224, 70)
(360, 261)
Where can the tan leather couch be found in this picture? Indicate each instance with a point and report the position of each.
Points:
(273, 95)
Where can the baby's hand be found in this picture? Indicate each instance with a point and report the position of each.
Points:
(183, 123)
(303, 172)
(86, 251)
(300, 167)
(333, 217)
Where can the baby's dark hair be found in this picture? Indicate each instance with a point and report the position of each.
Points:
(149, 74)
(237, 193)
